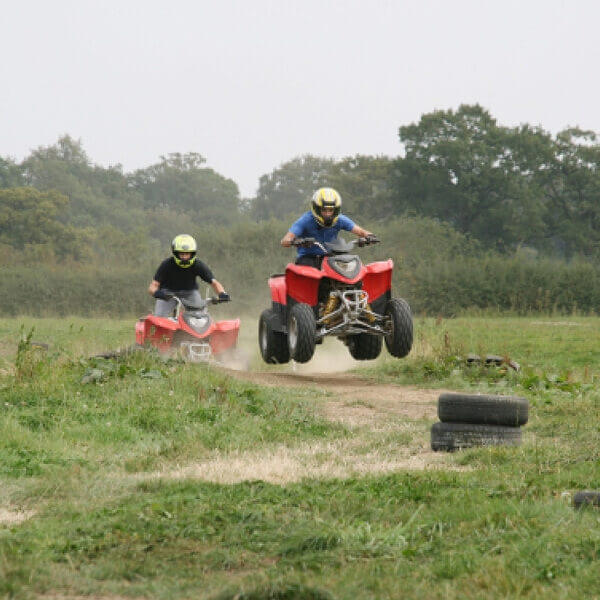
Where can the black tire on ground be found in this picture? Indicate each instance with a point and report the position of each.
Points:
(301, 332)
(586, 498)
(454, 436)
(273, 344)
(364, 346)
(399, 340)
(512, 411)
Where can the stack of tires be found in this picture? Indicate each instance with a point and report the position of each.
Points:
(468, 420)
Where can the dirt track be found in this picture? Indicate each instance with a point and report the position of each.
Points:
(350, 397)
(390, 432)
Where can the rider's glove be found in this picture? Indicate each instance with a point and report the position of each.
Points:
(224, 297)
(163, 295)
(372, 239)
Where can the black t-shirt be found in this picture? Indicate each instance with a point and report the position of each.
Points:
(173, 277)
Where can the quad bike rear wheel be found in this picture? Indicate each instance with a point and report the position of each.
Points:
(302, 327)
(273, 344)
(364, 346)
(399, 340)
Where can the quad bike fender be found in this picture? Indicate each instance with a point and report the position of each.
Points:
(302, 283)
(277, 318)
(223, 335)
(140, 331)
(377, 279)
(157, 331)
(277, 285)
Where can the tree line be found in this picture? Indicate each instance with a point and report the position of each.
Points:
(480, 194)
(507, 187)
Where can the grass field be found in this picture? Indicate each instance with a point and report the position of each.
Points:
(99, 495)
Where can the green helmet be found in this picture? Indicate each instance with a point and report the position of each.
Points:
(184, 243)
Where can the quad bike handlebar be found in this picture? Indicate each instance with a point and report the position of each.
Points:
(330, 247)
(205, 302)
(306, 242)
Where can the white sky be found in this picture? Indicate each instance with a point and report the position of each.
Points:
(251, 84)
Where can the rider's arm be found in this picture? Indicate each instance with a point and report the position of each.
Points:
(360, 232)
(153, 287)
(298, 229)
(219, 289)
(287, 239)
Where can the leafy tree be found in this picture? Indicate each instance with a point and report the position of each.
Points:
(365, 184)
(97, 195)
(287, 190)
(571, 184)
(29, 217)
(11, 174)
(464, 168)
(180, 183)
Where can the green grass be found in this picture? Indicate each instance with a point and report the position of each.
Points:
(553, 349)
(85, 458)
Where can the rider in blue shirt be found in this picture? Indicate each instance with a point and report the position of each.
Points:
(323, 222)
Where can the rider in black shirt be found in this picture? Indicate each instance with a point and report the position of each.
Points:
(177, 274)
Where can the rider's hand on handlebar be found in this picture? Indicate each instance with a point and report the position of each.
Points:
(303, 242)
(370, 239)
(224, 297)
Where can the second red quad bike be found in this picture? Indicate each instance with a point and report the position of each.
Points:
(191, 331)
(343, 298)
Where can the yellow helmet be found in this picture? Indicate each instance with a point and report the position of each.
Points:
(326, 198)
(184, 243)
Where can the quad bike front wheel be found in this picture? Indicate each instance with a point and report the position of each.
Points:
(364, 346)
(273, 344)
(399, 340)
(302, 327)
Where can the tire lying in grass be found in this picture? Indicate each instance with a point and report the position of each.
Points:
(512, 411)
(454, 436)
(586, 498)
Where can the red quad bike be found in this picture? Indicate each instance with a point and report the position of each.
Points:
(344, 298)
(191, 331)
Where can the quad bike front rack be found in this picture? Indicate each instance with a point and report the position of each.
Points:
(355, 314)
(195, 351)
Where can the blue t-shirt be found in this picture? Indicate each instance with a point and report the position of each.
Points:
(306, 226)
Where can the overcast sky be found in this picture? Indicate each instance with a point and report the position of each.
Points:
(251, 84)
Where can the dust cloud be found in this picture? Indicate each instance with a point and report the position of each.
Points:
(332, 356)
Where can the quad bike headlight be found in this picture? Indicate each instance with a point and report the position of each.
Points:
(198, 323)
(347, 266)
